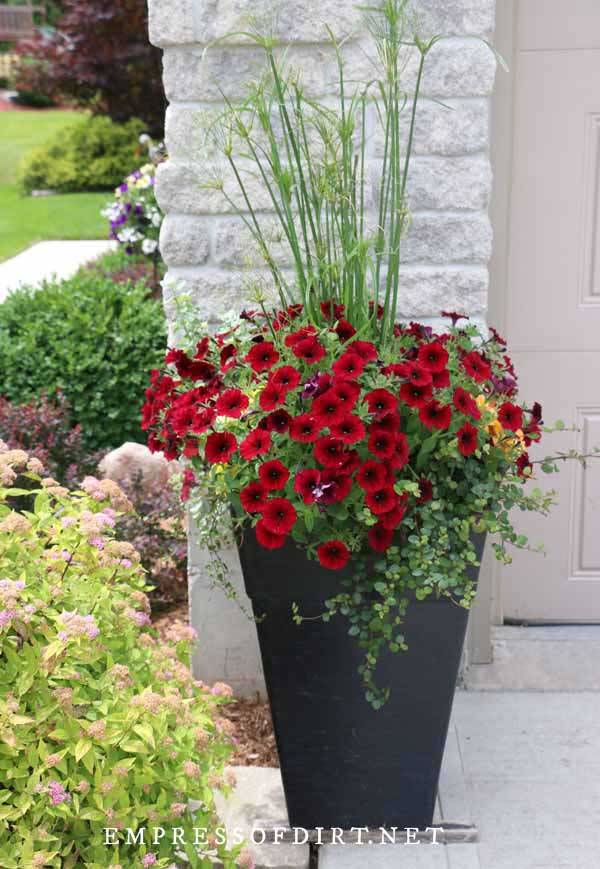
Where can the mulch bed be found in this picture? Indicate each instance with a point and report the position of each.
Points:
(254, 740)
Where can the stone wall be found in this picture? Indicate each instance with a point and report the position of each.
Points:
(446, 253)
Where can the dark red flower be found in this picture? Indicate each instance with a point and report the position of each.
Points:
(400, 457)
(497, 337)
(510, 416)
(232, 403)
(372, 476)
(273, 475)
(220, 446)
(262, 356)
(334, 554)
(228, 357)
(328, 409)
(191, 448)
(454, 316)
(364, 349)
(266, 538)
(524, 466)
(254, 497)
(295, 337)
(309, 350)
(330, 452)
(415, 396)
(436, 416)
(380, 538)
(332, 311)
(381, 500)
(348, 367)
(381, 402)
(467, 439)
(255, 444)
(414, 373)
(279, 516)
(536, 413)
(441, 379)
(271, 396)
(390, 423)
(189, 480)
(304, 428)
(203, 420)
(476, 366)
(465, 403)
(347, 391)
(189, 369)
(278, 421)
(433, 357)
(305, 484)
(381, 444)
(333, 486)
(286, 377)
(350, 429)
(345, 330)
(426, 491)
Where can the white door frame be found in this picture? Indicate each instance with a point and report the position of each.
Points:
(488, 608)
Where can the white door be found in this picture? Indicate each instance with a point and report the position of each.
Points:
(553, 304)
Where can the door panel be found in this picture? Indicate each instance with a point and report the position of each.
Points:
(553, 296)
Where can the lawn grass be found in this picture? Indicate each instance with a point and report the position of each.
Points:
(25, 220)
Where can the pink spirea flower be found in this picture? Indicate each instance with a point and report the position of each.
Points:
(149, 860)
(57, 793)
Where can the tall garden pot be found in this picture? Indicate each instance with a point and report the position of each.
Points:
(344, 764)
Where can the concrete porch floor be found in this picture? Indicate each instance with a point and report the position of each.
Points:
(524, 767)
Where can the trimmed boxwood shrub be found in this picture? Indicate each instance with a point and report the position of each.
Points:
(93, 339)
(94, 153)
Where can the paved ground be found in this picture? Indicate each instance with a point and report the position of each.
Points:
(523, 767)
(48, 258)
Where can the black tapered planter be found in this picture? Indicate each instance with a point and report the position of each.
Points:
(344, 764)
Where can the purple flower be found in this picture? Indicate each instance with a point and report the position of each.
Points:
(57, 793)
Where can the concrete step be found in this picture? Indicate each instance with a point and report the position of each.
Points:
(548, 658)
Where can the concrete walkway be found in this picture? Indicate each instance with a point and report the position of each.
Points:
(47, 259)
(523, 767)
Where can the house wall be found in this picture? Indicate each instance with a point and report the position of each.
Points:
(449, 245)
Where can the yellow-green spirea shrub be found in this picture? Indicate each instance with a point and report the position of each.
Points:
(101, 723)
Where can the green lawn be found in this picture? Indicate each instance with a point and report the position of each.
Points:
(25, 220)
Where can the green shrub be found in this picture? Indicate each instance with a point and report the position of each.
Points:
(92, 154)
(101, 724)
(92, 338)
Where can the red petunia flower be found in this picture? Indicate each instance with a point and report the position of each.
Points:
(350, 429)
(232, 403)
(190, 369)
(278, 421)
(328, 409)
(441, 379)
(228, 357)
(330, 452)
(189, 480)
(333, 486)
(191, 448)
(273, 475)
(279, 516)
(454, 316)
(426, 491)
(255, 444)
(304, 428)
(381, 402)
(372, 476)
(433, 356)
(510, 416)
(476, 366)
(203, 420)
(415, 396)
(436, 416)
(380, 538)
(465, 403)
(334, 554)
(381, 444)
(393, 518)
(262, 356)
(271, 396)
(364, 349)
(344, 330)
(348, 367)
(331, 310)
(390, 423)
(414, 373)
(347, 391)
(220, 446)
(305, 484)
(381, 500)
(467, 439)
(286, 377)
(266, 538)
(309, 350)
(295, 337)
(254, 498)
(400, 457)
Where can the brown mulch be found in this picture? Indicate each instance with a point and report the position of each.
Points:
(254, 740)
